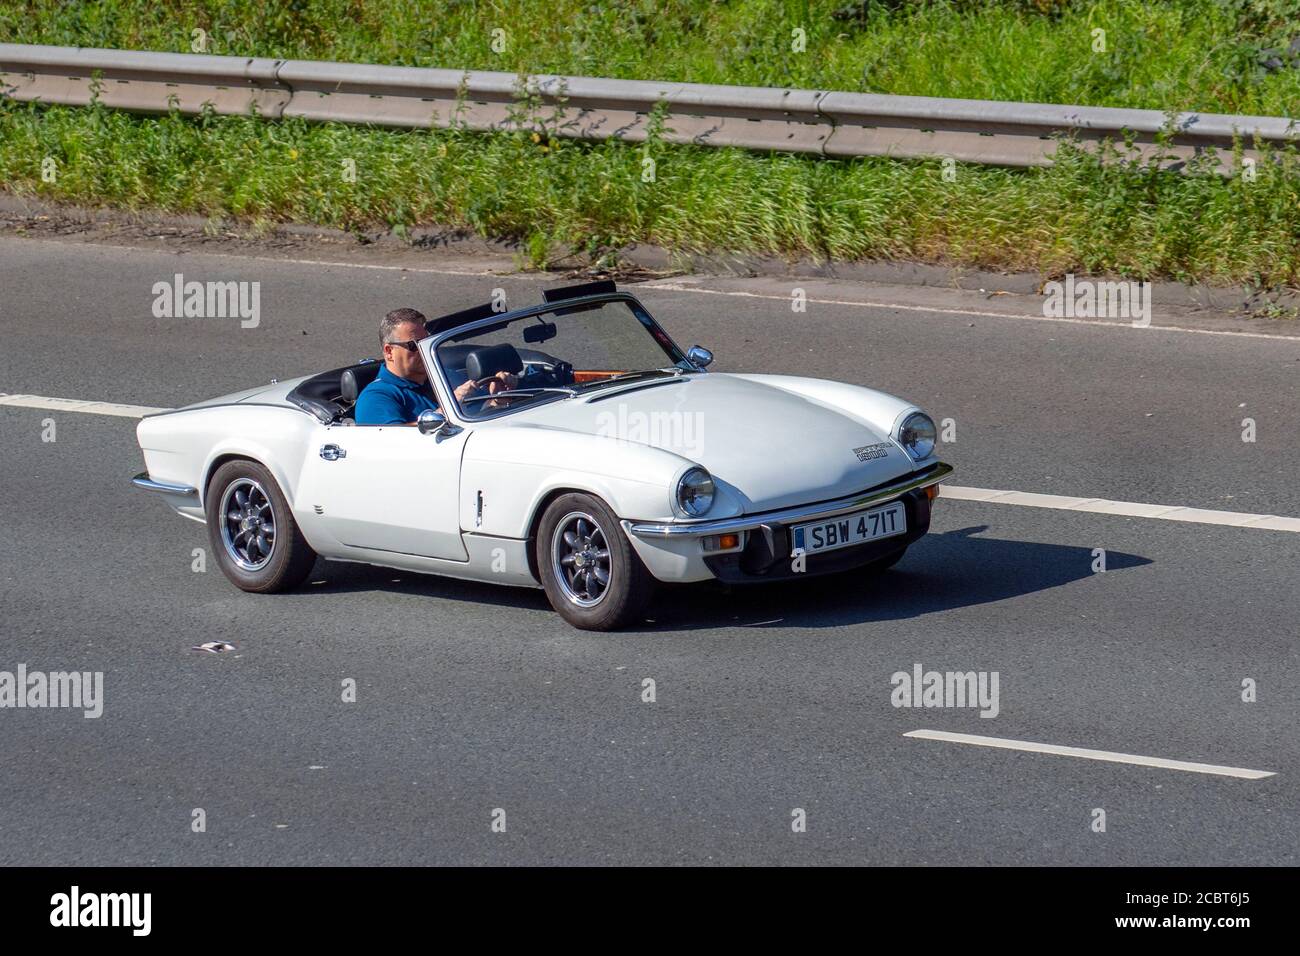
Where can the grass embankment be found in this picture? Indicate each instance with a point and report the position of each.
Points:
(1226, 55)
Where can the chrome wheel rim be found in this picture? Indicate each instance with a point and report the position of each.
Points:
(580, 559)
(247, 524)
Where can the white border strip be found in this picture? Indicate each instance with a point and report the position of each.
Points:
(74, 405)
(1107, 755)
(1132, 509)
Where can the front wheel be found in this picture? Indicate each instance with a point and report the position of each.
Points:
(591, 574)
(252, 531)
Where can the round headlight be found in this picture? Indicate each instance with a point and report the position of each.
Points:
(695, 492)
(917, 435)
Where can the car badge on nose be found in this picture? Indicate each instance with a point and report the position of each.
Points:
(868, 452)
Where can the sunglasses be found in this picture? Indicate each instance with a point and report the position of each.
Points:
(410, 346)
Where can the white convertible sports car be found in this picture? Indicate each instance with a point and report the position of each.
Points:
(617, 461)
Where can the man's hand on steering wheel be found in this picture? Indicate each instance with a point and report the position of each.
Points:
(465, 389)
(500, 382)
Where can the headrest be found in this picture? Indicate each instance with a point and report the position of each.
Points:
(356, 378)
(490, 359)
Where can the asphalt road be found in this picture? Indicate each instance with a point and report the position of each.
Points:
(472, 698)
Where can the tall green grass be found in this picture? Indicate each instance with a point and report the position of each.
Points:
(1078, 215)
(1224, 55)
(1215, 55)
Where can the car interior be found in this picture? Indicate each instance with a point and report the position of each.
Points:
(331, 396)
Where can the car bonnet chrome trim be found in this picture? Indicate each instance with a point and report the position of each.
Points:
(143, 480)
(826, 509)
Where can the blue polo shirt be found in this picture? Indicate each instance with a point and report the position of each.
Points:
(392, 400)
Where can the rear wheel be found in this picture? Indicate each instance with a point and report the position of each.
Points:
(252, 531)
(591, 574)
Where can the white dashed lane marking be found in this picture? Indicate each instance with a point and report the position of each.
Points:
(993, 496)
(74, 405)
(1131, 509)
(1109, 756)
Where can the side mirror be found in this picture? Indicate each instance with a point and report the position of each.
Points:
(430, 422)
(699, 357)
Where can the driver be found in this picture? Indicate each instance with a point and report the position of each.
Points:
(401, 390)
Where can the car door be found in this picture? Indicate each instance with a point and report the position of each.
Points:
(387, 487)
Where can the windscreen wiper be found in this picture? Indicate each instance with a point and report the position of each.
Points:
(520, 391)
(624, 376)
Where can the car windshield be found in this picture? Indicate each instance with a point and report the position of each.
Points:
(555, 355)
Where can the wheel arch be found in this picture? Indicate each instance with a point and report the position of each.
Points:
(241, 451)
(535, 521)
(216, 463)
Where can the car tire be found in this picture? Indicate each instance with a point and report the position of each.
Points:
(252, 530)
(592, 575)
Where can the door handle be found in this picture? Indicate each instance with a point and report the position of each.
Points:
(332, 452)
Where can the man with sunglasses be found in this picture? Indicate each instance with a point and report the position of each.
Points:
(401, 390)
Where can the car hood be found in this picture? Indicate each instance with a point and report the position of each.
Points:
(772, 446)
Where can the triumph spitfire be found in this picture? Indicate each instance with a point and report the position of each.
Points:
(615, 462)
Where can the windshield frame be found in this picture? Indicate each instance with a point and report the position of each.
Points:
(674, 356)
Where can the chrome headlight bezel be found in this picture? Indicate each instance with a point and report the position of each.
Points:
(695, 492)
(917, 434)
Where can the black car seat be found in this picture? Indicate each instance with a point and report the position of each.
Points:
(488, 360)
(351, 382)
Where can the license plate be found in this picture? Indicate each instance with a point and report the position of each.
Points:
(848, 530)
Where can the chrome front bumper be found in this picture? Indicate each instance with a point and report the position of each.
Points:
(826, 509)
(143, 480)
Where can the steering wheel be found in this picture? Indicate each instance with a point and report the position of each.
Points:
(540, 373)
(484, 399)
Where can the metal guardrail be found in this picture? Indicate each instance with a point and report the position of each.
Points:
(828, 123)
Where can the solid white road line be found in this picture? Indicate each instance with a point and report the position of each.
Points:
(74, 405)
(1107, 755)
(1133, 509)
(669, 285)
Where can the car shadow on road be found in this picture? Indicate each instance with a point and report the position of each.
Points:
(346, 577)
(940, 572)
